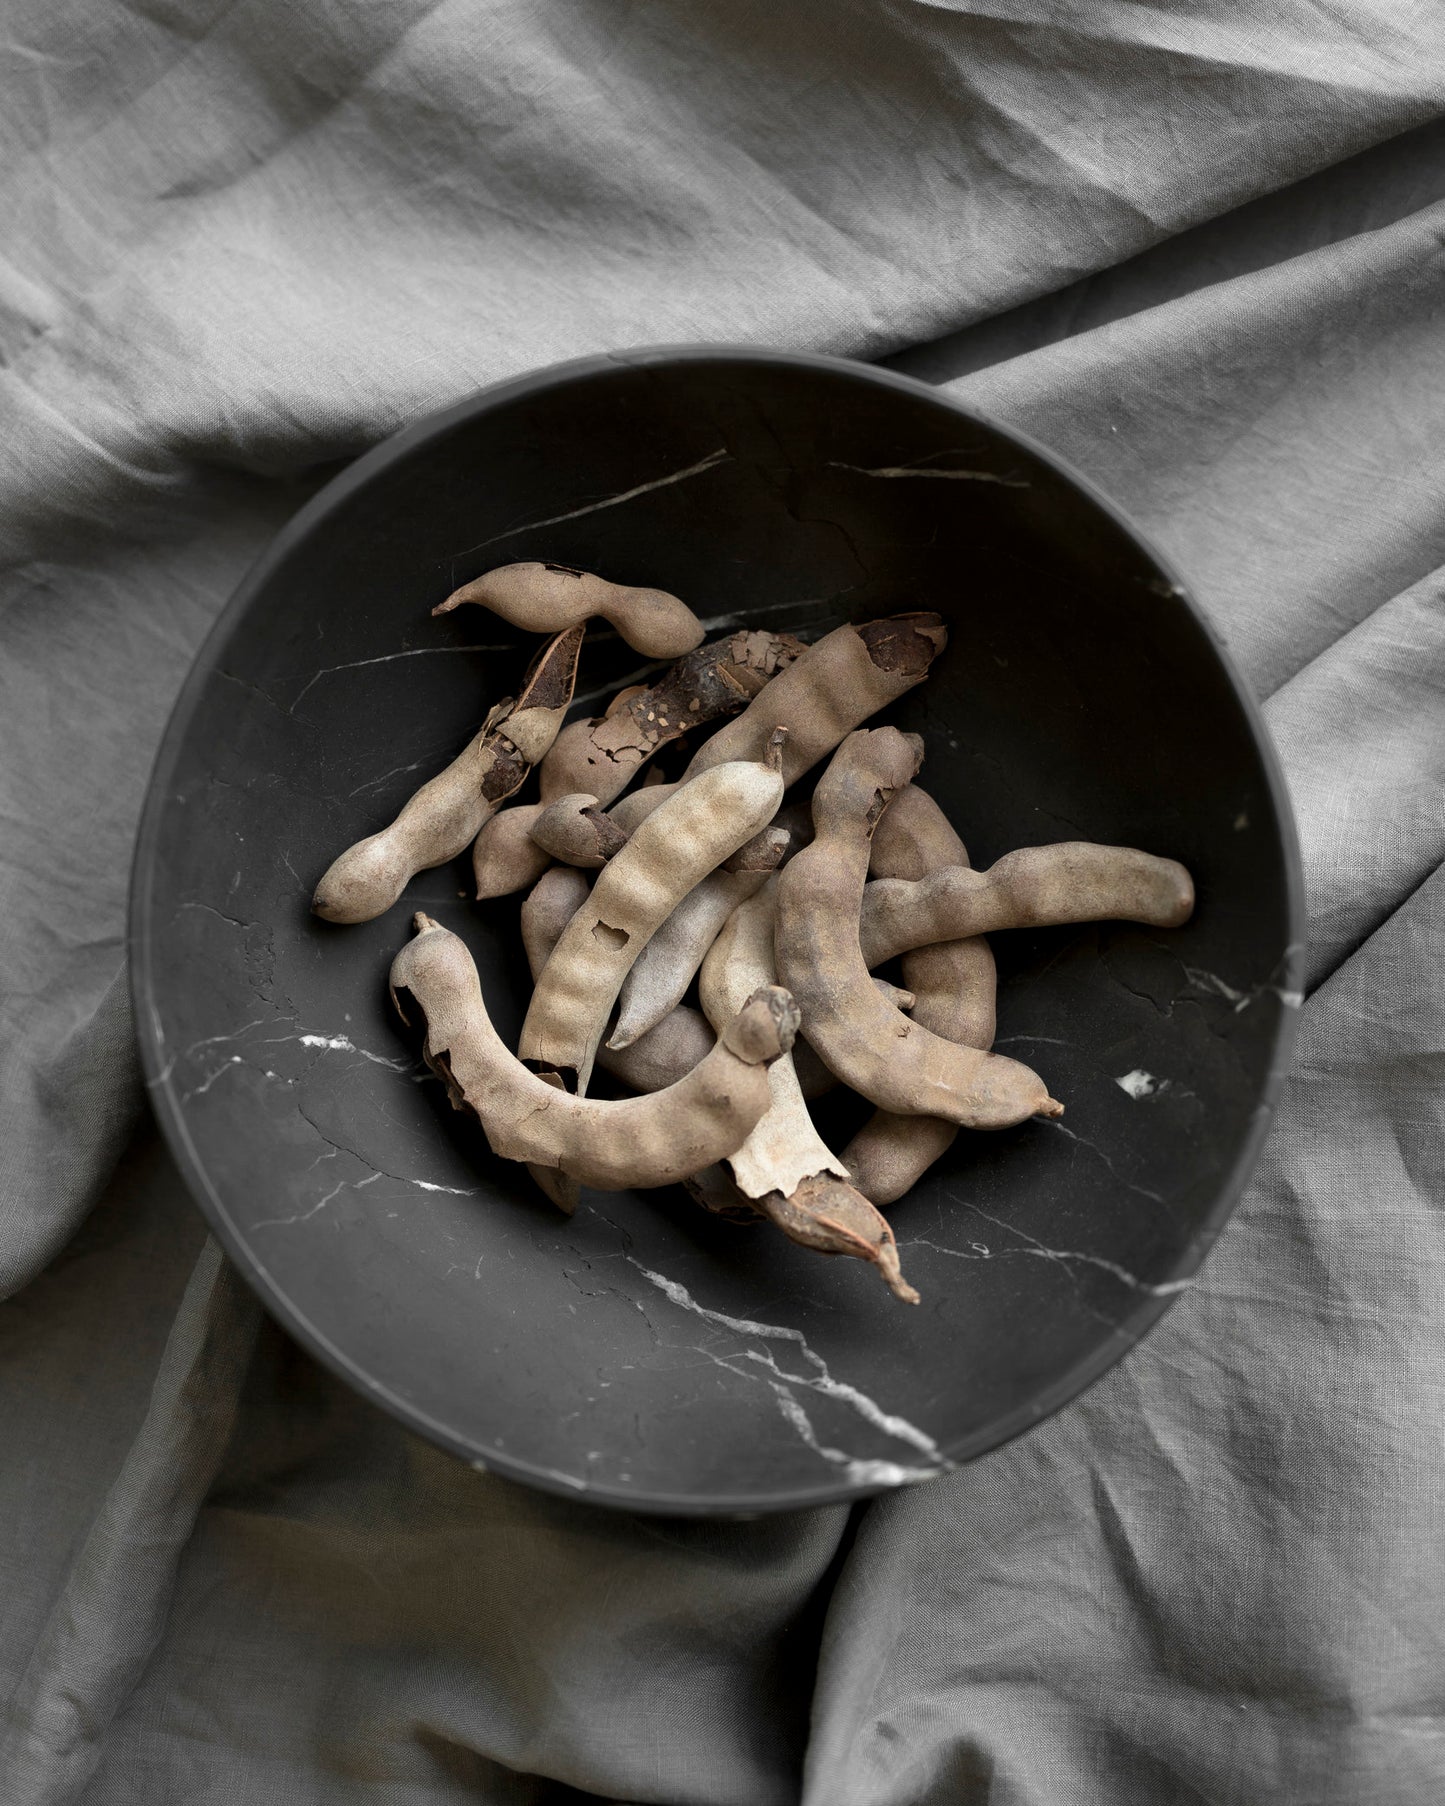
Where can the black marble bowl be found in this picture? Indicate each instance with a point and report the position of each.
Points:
(642, 1353)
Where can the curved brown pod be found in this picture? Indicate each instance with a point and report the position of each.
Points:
(543, 598)
(954, 986)
(1035, 887)
(839, 682)
(644, 1141)
(444, 815)
(871, 1046)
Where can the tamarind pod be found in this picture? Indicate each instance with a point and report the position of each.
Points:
(654, 1060)
(669, 961)
(784, 1148)
(716, 679)
(643, 1141)
(630, 811)
(446, 813)
(814, 1078)
(837, 683)
(549, 906)
(954, 985)
(575, 830)
(620, 700)
(784, 1167)
(822, 1214)
(1034, 887)
(894, 1062)
(660, 1057)
(505, 858)
(632, 897)
(542, 598)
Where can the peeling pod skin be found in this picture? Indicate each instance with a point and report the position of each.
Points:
(602, 754)
(575, 830)
(839, 682)
(644, 1141)
(633, 896)
(445, 814)
(954, 986)
(898, 1064)
(1035, 887)
(545, 598)
(784, 1168)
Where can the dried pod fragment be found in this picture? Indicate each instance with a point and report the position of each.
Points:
(542, 598)
(633, 896)
(644, 1141)
(575, 830)
(443, 817)
(872, 1047)
(954, 985)
(1035, 887)
(784, 1167)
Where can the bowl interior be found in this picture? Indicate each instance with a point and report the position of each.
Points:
(642, 1352)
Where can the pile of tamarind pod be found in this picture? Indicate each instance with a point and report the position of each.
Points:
(777, 914)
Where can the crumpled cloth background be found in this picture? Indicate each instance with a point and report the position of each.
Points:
(1198, 249)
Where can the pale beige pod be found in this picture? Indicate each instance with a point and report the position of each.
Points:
(1035, 887)
(644, 1141)
(954, 984)
(544, 598)
(896, 1063)
(837, 683)
(633, 896)
(445, 814)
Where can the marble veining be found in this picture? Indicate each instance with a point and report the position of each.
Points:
(1032, 1247)
(820, 1380)
(1141, 1191)
(710, 462)
(385, 658)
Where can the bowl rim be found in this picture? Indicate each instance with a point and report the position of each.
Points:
(1131, 1328)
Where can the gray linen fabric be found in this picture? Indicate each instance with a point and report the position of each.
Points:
(239, 241)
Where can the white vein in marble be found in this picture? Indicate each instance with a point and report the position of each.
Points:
(1141, 1191)
(1037, 1250)
(1215, 986)
(385, 658)
(820, 1380)
(710, 462)
(305, 1216)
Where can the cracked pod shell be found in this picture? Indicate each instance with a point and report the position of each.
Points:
(643, 1353)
